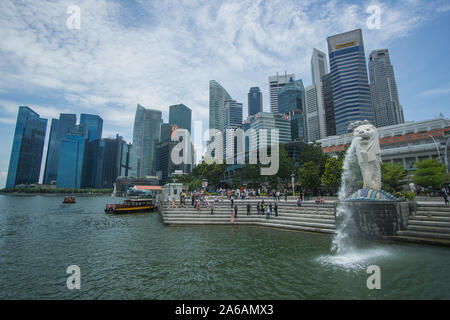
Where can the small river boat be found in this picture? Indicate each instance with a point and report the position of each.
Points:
(69, 200)
(131, 206)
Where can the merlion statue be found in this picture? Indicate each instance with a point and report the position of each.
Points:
(369, 153)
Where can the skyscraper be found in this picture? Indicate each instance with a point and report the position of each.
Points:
(217, 97)
(383, 89)
(146, 135)
(291, 103)
(255, 103)
(350, 84)
(57, 134)
(73, 158)
(233, 114)
(233, 120)
(330, 123)
(315, 110)
(181, 116)
(115, 161)
(275, 83)
(92, 172)
(27, 148)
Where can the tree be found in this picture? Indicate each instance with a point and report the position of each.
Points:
(430, 173)
(392, 176)
(331, 177)
(309, 175)
(313, 153)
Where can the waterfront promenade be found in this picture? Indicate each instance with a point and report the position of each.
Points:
(427, 223)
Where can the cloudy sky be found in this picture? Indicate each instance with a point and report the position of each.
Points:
(159, 53)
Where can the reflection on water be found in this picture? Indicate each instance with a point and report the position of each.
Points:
(138, 257)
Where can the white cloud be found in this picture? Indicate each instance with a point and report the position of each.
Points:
(436, 92)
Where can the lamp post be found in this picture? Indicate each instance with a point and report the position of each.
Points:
(446, 156)
(293, 182)
(437, 147)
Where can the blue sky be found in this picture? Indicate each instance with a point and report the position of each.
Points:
(159, 53)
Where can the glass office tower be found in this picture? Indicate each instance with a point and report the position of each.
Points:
(350, 84)
(146, 135)
(27, 148)
(72, 162)
(291, 103)
(58, 132)
(92, 173)
(181, 116)
(255, 103)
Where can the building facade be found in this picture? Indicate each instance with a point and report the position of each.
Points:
(28, 145)
(116, 160)
(315, 108)
(58, 132)
(73, 158)
(255, 102)
(181, 116)
(275, 83)
(405, 143)
(328, 104)
(146, 135)
(217, 97)
(350, 84)
(383, 89)
(292, 104)
(92, 173)
(267, 121)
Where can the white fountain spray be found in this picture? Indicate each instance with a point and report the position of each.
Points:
(341, 241)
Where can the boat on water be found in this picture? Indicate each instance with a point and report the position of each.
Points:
(131, 206)
(69, 200)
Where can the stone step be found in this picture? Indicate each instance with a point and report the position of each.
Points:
(433, 213)
(425, 218)
(306, 218)
(423, 234)
(256, 220)
(445, 224)
(411, 239)
(253, 211)
(436, 208)
(434, 229)
(260, 224)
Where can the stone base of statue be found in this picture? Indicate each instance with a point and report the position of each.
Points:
(375, 214)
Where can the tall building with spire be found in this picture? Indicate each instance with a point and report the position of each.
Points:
(383, 89)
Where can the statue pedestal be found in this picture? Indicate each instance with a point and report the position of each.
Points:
(375, 219)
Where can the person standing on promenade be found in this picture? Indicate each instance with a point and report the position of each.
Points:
(232, 215)
(285, 195)
(258, 208)
(212, 207)
(445, 195)
(268, 212)
(299, 203)
(232, 201)
(173, 202)
(248, 208)
(199, 204)
(235, 211)
(276, 210)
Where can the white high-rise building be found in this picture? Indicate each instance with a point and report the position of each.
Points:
(315, 109)
(276, 82)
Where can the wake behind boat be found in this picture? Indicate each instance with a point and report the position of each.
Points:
(131, 206)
